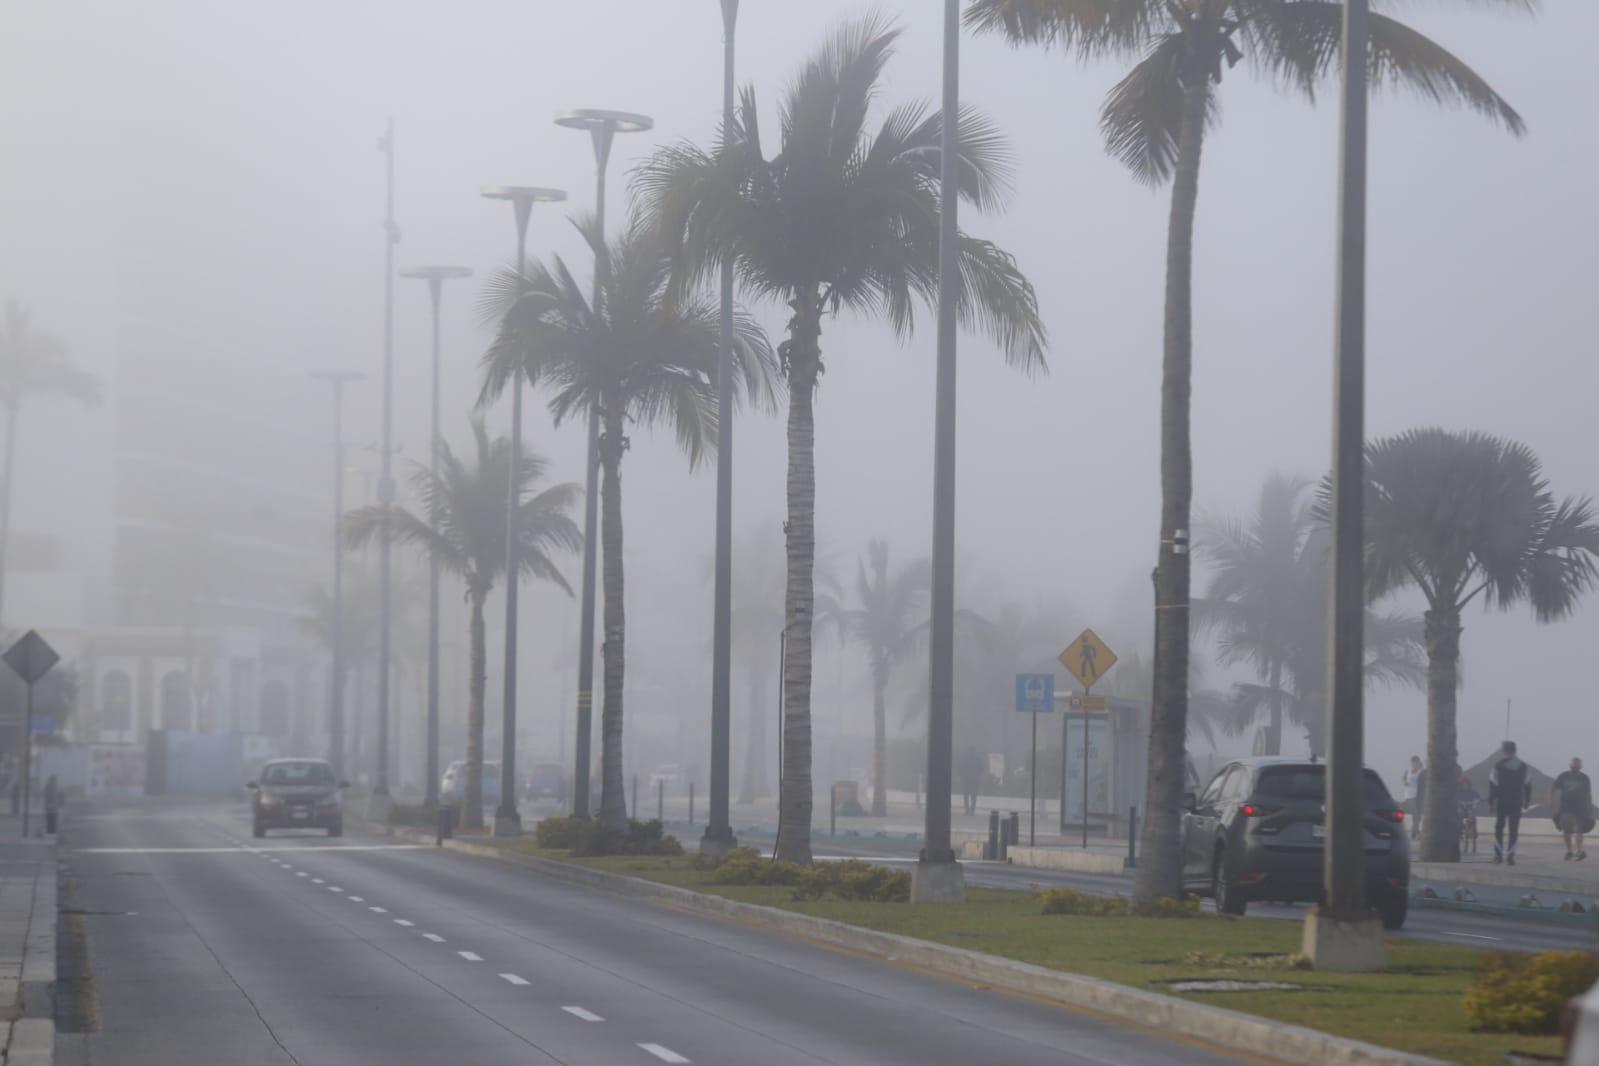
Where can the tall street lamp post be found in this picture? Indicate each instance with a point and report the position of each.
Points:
(435, 276)
(1342, 934)
(378, 808)
(938, 878)
(507, 823)
(602, 126)
(718, 839)
(338, 379)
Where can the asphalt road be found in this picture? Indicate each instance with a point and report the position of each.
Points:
(207, 946)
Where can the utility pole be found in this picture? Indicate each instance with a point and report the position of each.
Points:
(938, 878)
(718, 839)
(378, 809)
(338, 379)
(1341, 933)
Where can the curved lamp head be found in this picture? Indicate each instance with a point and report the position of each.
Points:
(437, 273)
(531, 194)
(592, 119)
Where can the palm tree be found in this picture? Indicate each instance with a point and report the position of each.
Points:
(889, 615)
(31, 364)
(1155, 120)
(1267, 603)
(640, 357)
(840, 218)
(470, 501)
(1461, 515)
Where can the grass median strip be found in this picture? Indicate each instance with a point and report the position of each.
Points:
(1246, 964)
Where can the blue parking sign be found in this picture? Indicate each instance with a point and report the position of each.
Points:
(1035, 693)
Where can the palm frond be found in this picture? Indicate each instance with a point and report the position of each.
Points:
(1090, 28)
(1143, 112)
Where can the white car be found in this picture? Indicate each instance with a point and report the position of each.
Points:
(453, 786)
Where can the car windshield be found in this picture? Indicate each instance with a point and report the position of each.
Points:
(1310, 783)
(297, 773)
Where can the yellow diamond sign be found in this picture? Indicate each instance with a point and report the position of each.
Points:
(1088, 658)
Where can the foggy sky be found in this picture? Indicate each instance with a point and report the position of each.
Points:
(201, 179)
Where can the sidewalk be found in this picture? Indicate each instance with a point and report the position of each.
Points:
(27, 945)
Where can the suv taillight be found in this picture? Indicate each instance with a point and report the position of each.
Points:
(1255, 810)
(1392, 814)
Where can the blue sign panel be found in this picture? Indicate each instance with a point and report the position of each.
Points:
(44, 724)
(1035, 693)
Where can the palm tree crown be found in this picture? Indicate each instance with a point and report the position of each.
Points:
(841, 217)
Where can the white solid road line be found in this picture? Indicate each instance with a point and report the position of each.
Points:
(241, 850)
(470, 956)
(665, 1054)
(1474, 936)
(586, 1015)
(513, 979)
(436, 938)
(402, 921)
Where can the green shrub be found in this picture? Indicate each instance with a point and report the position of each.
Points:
(584, 837)
(746, 866)
(1070, 901)
(853, 879)
(1525, 993)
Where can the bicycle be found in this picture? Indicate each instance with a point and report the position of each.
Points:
(1467, 811)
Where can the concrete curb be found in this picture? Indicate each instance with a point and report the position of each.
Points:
(1549, 915)
(30, 1039)
(1226, 1029)
(1076, 861)
(1500, 877)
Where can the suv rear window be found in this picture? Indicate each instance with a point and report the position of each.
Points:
(297, 773)
(1309, 782)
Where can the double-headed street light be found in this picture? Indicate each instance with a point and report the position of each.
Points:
(435, 276)
(507, 823)
(602, 126)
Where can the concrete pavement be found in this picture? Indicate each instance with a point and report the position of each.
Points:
(207, 946)
(27, 944)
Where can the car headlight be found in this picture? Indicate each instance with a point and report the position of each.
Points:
(271, 801)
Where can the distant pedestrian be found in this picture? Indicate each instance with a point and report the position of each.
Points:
(1412, 780)
(52, 793)
(1509, 793)
(971, 777)
(1571, 796)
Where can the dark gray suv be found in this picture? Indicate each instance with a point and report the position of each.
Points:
(1257, 832)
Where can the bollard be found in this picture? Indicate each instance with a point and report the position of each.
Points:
(691, 803)
(1132, 837)
(1015, 827)
(660, 800)
(635, 796)
(991, 848)
(50, 821)
(446, 828)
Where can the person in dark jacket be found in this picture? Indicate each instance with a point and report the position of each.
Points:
(971, 767)
(1509, 793)
(1572, 798)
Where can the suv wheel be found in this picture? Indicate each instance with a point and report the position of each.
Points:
(1228, 901)
(1393, 909)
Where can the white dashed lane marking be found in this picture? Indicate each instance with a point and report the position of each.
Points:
(665, 1054)
(335, 888)
(378, 910)
(355, 899)
(512, 978)
(436, 938)
(402, 921)
(301, 873)
(317, 881)
(586, 1015)
(470, 956)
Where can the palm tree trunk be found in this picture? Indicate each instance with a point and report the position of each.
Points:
(1440, 840)
(5, 498)
(478, 680)
(1274, 729)
(879, 747)
(804, 366)
(613, 801)
(1160, 871)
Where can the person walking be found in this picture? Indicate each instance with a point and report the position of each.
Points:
(1412, 781)
(1509, 793)
(971, 777)
(1571, 796)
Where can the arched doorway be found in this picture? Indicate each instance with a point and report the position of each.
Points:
(116, 702)
(176, 710)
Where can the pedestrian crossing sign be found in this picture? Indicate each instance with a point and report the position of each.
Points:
(1088, 658)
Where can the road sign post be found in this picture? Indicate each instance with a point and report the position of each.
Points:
(31, 658)
(1035, 694)
(1089, 659)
